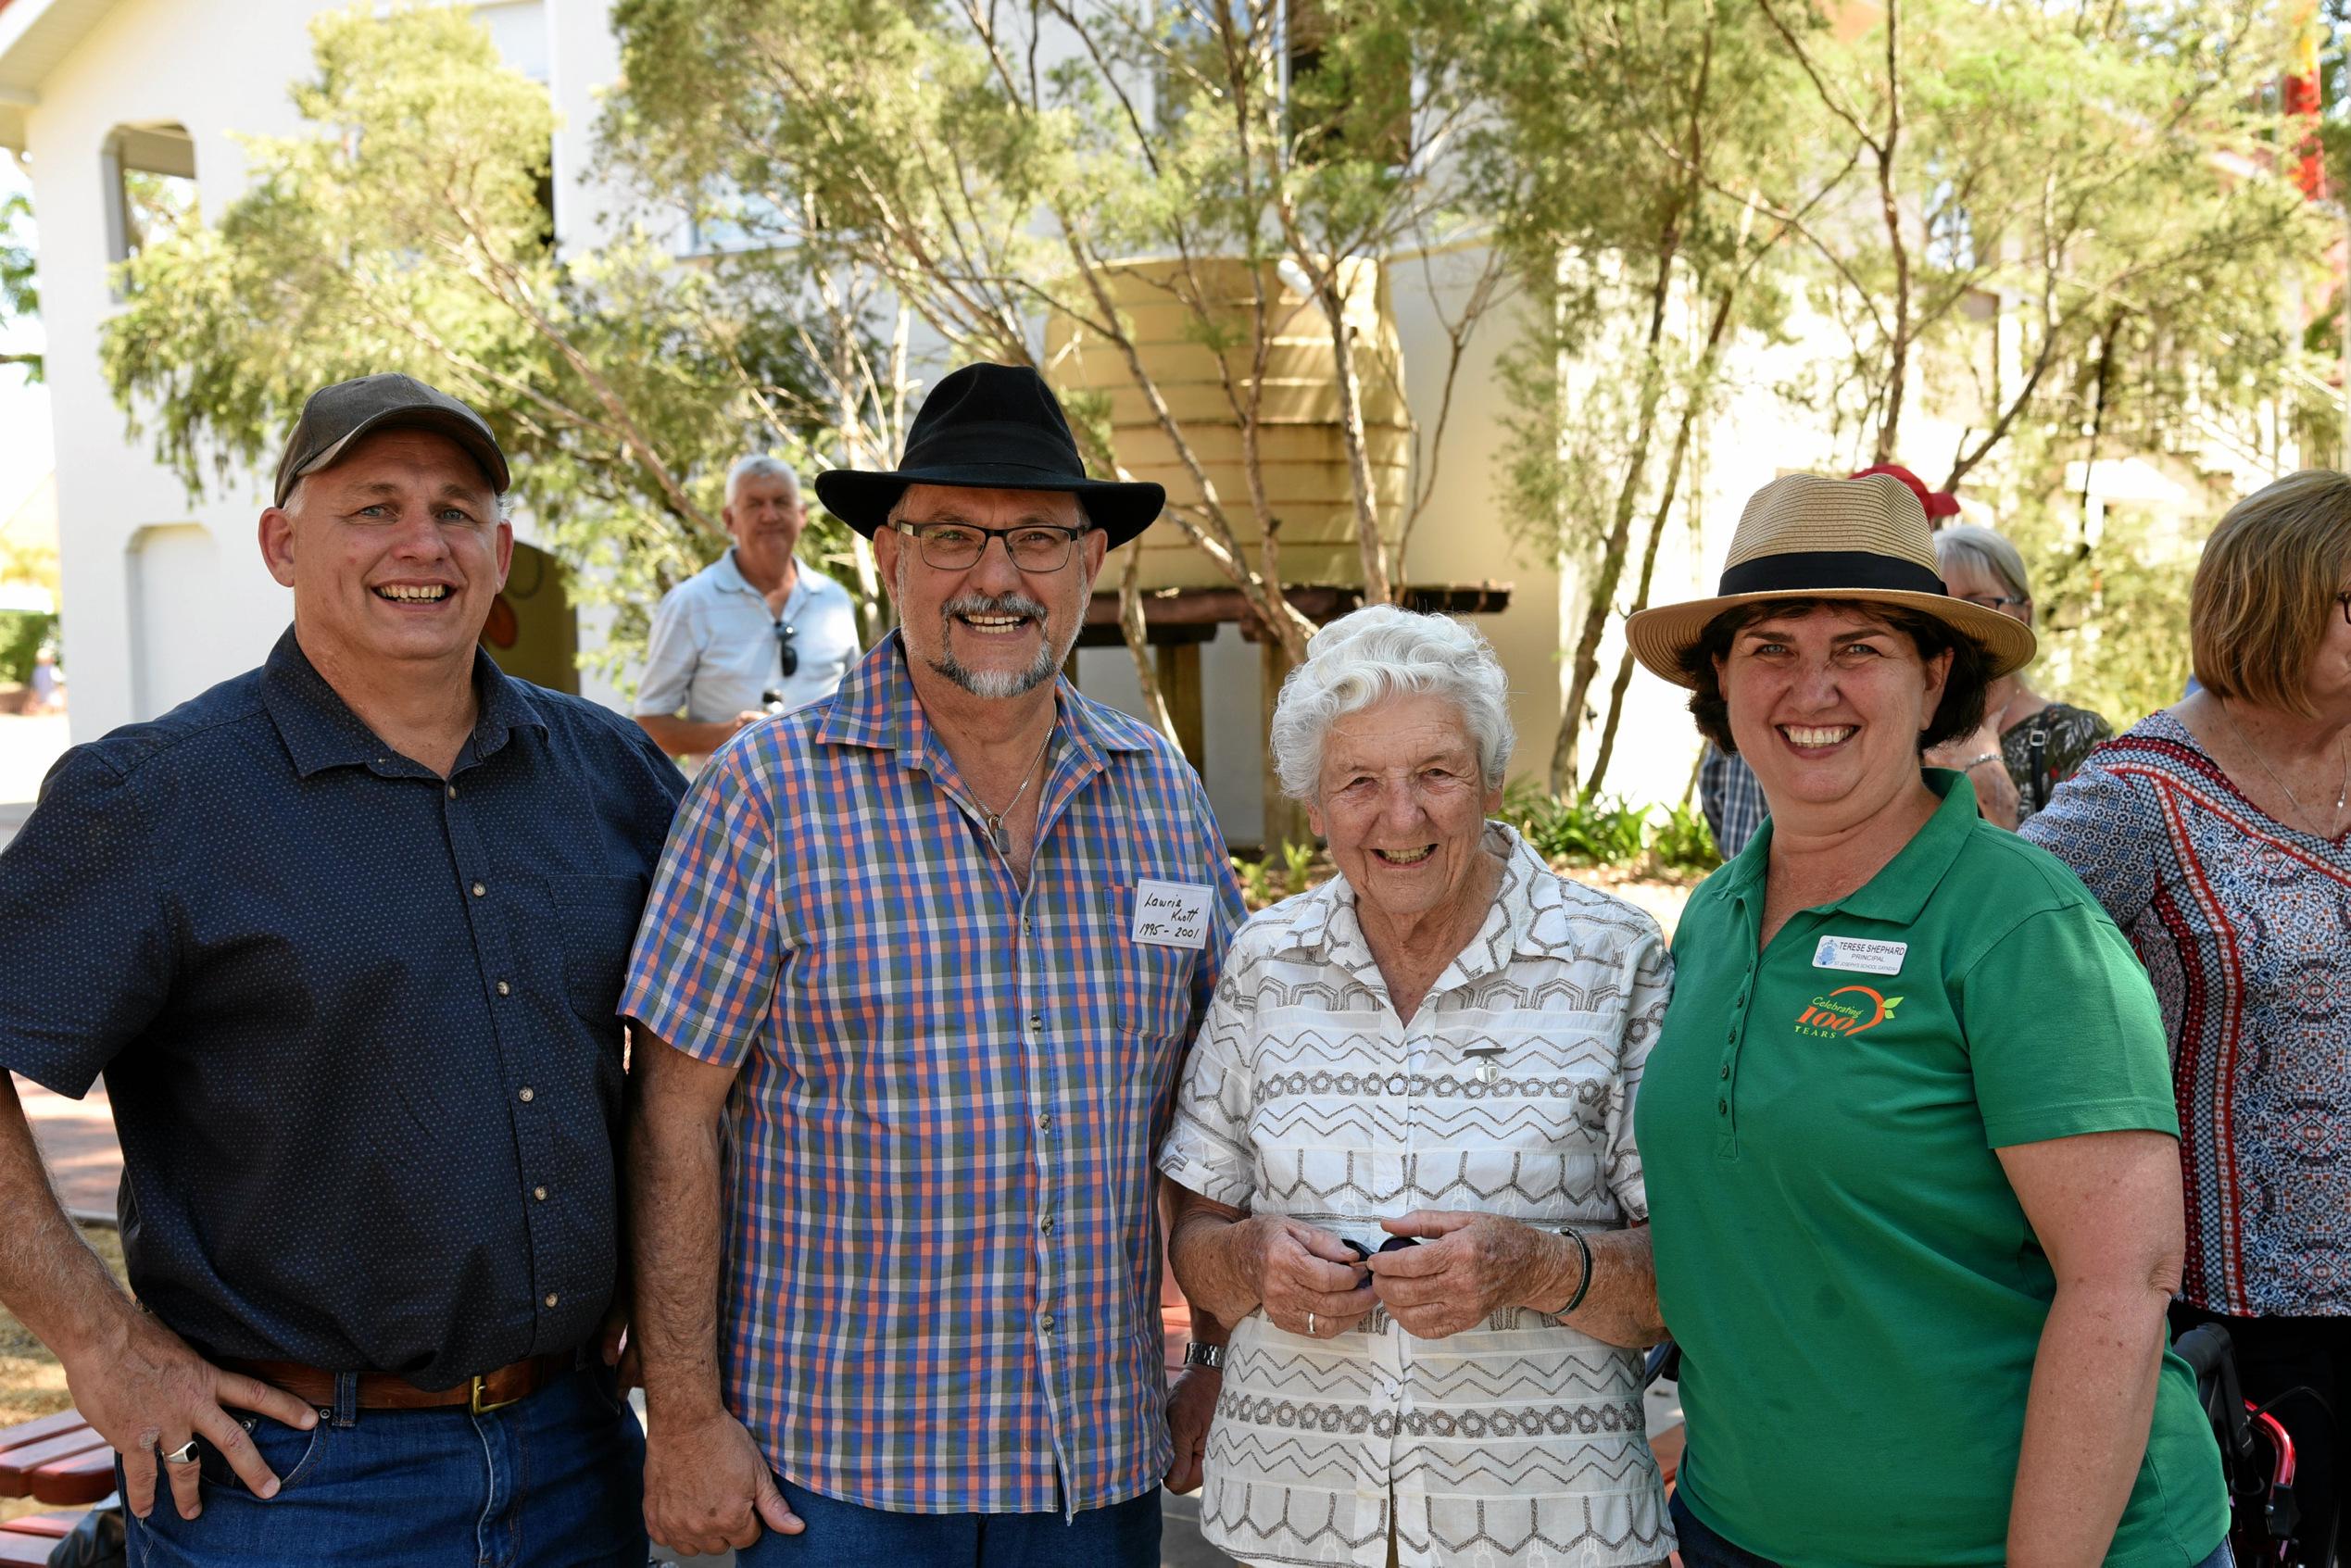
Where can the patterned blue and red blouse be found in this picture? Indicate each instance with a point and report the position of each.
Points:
(2244, 926)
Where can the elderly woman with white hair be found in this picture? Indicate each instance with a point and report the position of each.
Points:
(1404, 1145)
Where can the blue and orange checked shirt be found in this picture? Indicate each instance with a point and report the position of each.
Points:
(940, 1285)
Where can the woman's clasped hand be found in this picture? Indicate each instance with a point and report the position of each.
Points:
(1438, 1272)
(1307, 1279)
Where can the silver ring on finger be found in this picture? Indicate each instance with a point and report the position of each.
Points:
(184, 1454)
(1312, 1332)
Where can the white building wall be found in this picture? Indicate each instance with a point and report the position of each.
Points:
(146, 60)
(155, 610)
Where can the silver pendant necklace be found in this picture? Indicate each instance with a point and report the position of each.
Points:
(998, 833)
(2343, 791)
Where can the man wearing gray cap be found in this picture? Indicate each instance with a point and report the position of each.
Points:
(344, 934)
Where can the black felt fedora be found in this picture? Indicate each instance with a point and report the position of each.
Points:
(990, 427)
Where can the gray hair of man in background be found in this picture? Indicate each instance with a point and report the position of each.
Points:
(763, 466)
(1378, 652)
(1987, 550)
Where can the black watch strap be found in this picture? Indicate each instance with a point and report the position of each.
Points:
(1198, 1354)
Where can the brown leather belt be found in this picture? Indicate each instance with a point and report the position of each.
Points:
(383, 1391)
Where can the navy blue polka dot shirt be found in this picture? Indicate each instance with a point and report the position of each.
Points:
(357, 1021)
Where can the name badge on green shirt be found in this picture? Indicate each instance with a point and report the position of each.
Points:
(1860, 956)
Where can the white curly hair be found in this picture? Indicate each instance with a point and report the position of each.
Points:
(1375, 653)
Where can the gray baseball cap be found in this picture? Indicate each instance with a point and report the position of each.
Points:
(336, 416)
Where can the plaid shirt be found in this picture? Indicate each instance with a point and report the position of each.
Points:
(940, 1291)
(1731, 798)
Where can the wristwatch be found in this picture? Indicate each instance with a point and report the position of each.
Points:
(1198, 1354)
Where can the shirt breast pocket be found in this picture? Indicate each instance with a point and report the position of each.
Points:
(596, 919)
(1152, 981)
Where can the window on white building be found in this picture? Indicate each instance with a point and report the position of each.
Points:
(150, 183)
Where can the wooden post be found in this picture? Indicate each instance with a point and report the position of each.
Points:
(1179, 684)
(1285, 818)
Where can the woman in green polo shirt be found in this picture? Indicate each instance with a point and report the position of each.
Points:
(1908, 1129)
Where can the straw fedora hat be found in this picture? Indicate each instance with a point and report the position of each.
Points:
(1804, 537)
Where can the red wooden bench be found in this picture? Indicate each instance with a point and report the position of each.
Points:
(56, 1460)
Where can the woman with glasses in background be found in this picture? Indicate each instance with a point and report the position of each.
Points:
(2040, 743)
(2215, 834)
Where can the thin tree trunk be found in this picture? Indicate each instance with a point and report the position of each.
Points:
(2098, 417)
(1700, 384)
(1369, 546)
(1890, 209)
(1612, 561)
(1131, 628)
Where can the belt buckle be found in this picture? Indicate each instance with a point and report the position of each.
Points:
(477, 1401)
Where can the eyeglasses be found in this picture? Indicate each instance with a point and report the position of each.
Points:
(1994, 601)
(786, 656)
(957, 547)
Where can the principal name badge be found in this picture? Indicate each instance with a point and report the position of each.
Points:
(1171, 914)
(1859, 955)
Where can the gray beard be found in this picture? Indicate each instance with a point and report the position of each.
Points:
(995, 684)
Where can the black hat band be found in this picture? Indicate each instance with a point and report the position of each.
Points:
(1812, 572)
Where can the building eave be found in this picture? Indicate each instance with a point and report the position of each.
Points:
(36, 38)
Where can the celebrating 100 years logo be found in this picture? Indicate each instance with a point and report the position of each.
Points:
(1830, 1016)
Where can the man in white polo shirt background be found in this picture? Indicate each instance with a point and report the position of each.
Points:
(754, 630)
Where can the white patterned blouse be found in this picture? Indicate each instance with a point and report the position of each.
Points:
(1517, 1443)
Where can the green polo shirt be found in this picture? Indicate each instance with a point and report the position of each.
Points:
(1855, 1289)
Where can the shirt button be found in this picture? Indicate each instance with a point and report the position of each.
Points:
(1725, 1069)
(1045, 1121)
(523, 1093)
(1036, 1021)
(453, 792)
(1723, 1106)
(551, 1297)
(1045, 1322)
(539, 1193)
(1046, 1224)
(479, 890)
(504, 989)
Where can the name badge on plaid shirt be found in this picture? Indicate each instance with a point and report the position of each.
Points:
(1172, 914)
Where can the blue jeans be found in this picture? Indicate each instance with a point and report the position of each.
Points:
(557, 1481)
(843, 1534)
(1701, 1548)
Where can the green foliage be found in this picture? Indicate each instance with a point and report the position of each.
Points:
(2104, 173)
(2111, 612)
(1687, 107)
(18, 296)
(1680, 841)
(1282, 873)
(995, 166)
(23, 633)
(1600, 830)
(404, 231)
(1588, 830)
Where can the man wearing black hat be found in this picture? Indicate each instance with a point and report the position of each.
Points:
(345, 933)
(925, 956)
